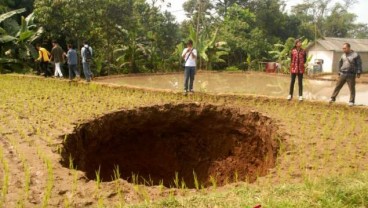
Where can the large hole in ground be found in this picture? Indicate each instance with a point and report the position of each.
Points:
(175, 144)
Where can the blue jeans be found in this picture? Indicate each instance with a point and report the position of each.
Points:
(189, 73)
(73, 71)
(87, 71)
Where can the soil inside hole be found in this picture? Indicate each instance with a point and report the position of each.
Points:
(154, 145)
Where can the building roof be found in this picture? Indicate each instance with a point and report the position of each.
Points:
(335, 44)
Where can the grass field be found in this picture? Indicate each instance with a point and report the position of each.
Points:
(322, 160)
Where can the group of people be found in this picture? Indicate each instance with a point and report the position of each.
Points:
(58, 57)
(350, 68)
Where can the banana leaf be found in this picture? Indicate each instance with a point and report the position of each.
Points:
(25, 35)
(2, 31)
(7, 39)
(10, 14)
(37, 34)
(9, 61)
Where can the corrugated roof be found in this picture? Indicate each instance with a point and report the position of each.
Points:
(335, 44)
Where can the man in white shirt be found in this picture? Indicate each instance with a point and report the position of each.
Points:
(189, 55)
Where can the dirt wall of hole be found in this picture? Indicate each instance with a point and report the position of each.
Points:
(157, 142)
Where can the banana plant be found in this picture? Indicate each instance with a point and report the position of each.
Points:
(216, 52)
(4, 36)
(17, 50)
(208, 49)
(178, 54)
(281, 53)
(131, 56)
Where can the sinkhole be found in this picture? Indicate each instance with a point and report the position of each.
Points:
(188, 144)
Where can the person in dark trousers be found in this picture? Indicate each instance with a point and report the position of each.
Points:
(350, 67)
(43, 58)
(297, 67)
(189, 55)
(57, 55)
(72, 62)
(86, 51)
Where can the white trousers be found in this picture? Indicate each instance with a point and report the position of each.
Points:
(58, 70)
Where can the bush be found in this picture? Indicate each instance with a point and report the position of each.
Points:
(232, 68)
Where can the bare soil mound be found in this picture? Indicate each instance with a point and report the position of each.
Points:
(175, 144)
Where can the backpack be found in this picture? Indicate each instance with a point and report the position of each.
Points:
(87, 54)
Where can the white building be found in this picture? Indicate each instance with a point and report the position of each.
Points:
(330, 50)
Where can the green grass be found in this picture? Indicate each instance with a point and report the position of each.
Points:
(344, 191)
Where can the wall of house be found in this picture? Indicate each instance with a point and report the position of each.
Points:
(327, 57)
(331, 58)
(364, 57)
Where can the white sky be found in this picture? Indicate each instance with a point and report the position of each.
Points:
(360, 8)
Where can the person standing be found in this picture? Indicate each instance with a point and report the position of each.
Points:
(350, 67)
(189, 55)
(57, 55)
(72, 62)
(297, 68)
(86, 53)
(43, 58)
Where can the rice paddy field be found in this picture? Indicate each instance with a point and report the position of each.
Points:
(72, 144)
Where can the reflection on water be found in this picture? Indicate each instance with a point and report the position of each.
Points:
(245, 83)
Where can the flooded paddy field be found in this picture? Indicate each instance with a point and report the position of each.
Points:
(246, 83)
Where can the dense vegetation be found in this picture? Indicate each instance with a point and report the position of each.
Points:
(136, 36)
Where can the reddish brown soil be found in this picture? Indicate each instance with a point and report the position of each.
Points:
(156, 142)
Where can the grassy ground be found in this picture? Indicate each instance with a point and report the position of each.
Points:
(322, 162)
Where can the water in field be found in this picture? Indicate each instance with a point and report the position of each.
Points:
(244, 83)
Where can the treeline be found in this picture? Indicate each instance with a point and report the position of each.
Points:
(131, 36)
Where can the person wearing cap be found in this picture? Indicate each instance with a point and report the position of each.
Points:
(297, 68)
(350, 67)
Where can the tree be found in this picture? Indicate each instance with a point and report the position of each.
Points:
(160, 36)
(242, 37)
(359, 31)
(339, 22)
(16, 47)
(130, 56)
(109, 25)
(320, 18)
(11, 5)
(270, 18)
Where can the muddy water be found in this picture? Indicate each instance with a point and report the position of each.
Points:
(245, 83)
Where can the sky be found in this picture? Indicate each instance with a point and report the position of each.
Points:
(360, 8)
